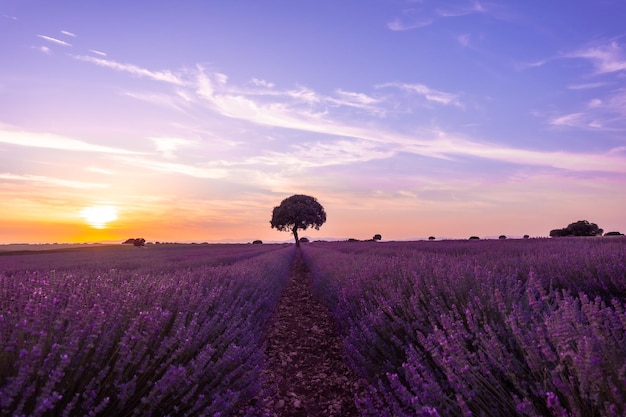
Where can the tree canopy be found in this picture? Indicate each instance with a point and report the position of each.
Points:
(298, 212)
(579, 228)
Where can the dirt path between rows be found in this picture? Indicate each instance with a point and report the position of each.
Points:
(306, 371)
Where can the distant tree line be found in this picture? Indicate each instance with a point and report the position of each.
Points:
(138, 241)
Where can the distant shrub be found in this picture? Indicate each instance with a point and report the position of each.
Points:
(135, 242)
(257, 242)
(353, 240)
(377, 237)
(613, 234)
(526, 237)
(304, 240)
(139, 242)
(431, 238)
(579, 228)
(474, 238)
(502, 237)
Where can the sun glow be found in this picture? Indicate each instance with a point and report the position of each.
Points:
(98, 216)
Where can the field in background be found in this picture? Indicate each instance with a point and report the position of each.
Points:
(451, 328)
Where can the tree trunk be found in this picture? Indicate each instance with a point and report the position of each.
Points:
(295, 235)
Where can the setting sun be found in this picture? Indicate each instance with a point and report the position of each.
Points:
(98, 216)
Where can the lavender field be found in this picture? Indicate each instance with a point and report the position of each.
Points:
(126, 331)
(489, 328)
(453, 328)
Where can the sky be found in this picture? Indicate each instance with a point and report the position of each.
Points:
(191, 120)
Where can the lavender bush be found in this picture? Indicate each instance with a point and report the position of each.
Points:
(489, 328)
(160, 336)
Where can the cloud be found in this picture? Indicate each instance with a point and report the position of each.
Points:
(586, 86)
(607, 114)
(401, 25)
(414, 18)
(563, 160)
(572, 120)
(207, 171)
(95, 51)
(476, 7)
(306, 110)
(165, 76)
(52, 181)
(44, 49)
(54, 40)
(318, 154)
(262, 83)
(428, 93)
(534, 64)
(411, 19)
(606, 58)
(464, 39)
(176, 102)
(167, 146)
(357, 100)
(52, 141)
(99, 170)
(65, 32)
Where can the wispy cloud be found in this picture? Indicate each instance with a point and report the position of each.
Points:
(403, 24)
(99, 170)
(95, 51)
(65, 32)
(605, 57)
(534, 64)
(426, 92)
(586, 86)
(17, 137)
(415, 18)
(306, 110)
(262, 83)
(357, 100)
(54, 40)
(475, 7)
(571, 120)
(50, 180)
(169, 145)
(43, 49)
(464, 39)
(165, 76)
(607, 114)
(202, 171)
(318, 154)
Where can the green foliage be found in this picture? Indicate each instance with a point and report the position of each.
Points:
(298, 212)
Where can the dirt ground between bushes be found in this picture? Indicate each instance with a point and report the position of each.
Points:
(305, 374)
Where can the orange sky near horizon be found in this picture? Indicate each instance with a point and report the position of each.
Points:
(393, 220)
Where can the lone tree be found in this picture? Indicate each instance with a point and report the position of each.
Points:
(579, 228)
(298, 212)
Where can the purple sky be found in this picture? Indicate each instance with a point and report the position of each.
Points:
(191, 120)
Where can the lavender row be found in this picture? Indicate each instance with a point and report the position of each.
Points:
(137, 342)
(170, 257)
(527, 328)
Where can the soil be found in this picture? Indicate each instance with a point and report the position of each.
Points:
(306, 375)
